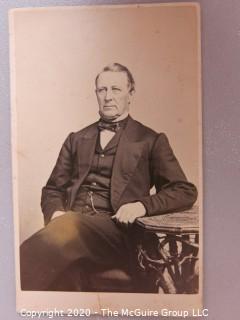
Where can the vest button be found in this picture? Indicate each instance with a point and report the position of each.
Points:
(102, 155)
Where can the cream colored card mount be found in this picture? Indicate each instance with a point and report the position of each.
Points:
(106, 140)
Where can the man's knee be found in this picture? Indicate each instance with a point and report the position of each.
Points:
(61, 230)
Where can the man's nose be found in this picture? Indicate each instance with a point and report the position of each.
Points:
(108, 95)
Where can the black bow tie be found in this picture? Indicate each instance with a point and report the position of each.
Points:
(111, 126)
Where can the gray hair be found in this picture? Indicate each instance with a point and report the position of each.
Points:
(117, 67)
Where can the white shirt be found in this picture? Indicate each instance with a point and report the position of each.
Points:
(107, 135)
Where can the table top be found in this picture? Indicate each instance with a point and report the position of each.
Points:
(184, 222)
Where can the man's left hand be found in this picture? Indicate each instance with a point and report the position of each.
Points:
(129, 212)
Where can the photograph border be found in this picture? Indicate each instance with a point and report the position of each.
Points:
(105, 296)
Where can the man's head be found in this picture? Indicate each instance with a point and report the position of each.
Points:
(114, 88)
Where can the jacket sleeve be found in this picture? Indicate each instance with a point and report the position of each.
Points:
(54, 193)
(173, 191)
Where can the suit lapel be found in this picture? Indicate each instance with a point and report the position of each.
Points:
(126, 160)
(85, 152)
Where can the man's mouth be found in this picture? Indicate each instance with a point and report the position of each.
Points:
(109, 107)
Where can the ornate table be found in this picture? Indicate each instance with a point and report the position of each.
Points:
(168, 251)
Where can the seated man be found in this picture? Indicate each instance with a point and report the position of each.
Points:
(100, 184)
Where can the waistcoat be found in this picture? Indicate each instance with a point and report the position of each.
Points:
(95, 191)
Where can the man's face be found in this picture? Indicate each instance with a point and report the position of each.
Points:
(113, 94)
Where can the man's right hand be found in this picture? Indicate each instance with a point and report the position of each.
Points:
(57, 214)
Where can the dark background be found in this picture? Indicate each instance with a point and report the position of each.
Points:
(221, 152)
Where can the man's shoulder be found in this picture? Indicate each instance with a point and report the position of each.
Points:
(144, 127)
(86, 131)
(90, 127)
(141, 129)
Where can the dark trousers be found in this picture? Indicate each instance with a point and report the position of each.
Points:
(91, 239)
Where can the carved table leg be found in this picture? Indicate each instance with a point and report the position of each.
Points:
(172, 260)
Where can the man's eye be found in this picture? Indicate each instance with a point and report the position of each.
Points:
(116, 90)
(101, 90)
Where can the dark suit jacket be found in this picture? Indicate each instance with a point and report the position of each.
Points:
(144, 159)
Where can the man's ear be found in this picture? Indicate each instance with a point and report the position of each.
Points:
(131, 96)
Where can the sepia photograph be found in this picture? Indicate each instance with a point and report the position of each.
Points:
(107, 157)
